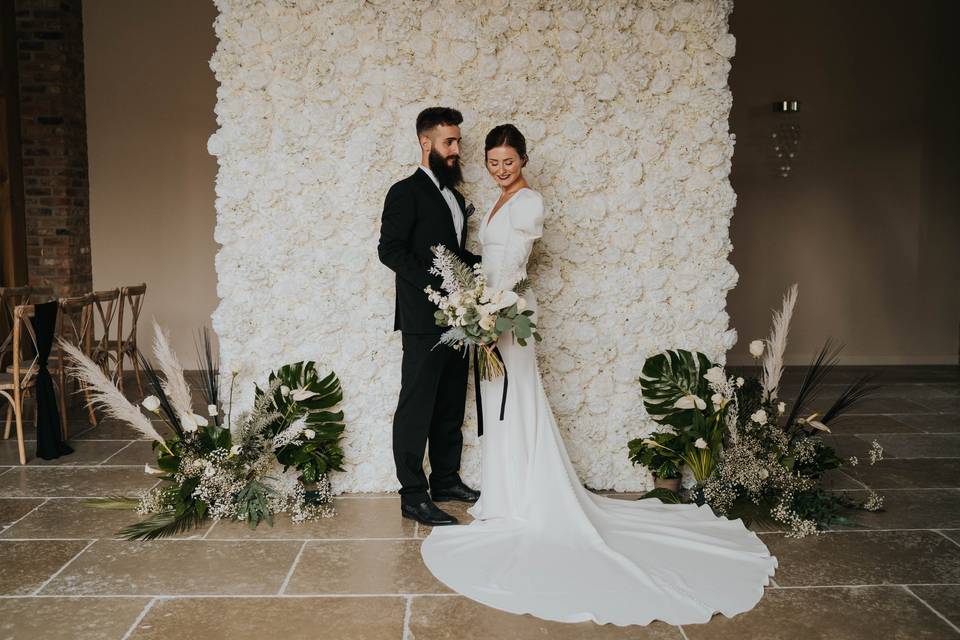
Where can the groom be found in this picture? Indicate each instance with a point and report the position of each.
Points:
(421, 211)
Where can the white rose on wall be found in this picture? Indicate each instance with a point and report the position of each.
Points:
(625, 113)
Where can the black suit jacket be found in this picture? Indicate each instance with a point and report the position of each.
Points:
(415, 218)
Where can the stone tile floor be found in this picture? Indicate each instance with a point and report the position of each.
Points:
(359, 575)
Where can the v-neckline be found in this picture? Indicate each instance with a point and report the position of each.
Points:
(493, 212)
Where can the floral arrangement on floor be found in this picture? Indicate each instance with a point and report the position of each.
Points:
(476, 315)
(274, 458)
(750, 457)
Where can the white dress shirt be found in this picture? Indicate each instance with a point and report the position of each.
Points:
(455, 211)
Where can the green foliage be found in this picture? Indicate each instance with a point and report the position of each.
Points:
(253, 504)
(659, 452)
(322, 453)
(668, 376)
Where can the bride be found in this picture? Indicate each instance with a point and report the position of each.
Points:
(540, 543)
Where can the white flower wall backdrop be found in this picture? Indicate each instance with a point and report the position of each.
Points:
(624, 105)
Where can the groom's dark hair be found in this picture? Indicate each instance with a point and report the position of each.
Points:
(435, 116)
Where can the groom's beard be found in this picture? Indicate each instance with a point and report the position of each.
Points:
(447, 175)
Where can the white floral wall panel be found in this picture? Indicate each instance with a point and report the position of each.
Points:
(625, 108)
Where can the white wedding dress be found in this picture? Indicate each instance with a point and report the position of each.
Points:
(541, 543)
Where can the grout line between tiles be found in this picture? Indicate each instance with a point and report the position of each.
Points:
(293, 567)
(27, 514)
(940, 531)
(928, 606)
(60, 570)
(28, 467)
(123, 448)
(406, 618)
(207, 532)
(139, 619)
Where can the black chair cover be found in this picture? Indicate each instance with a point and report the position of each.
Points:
(50, 443)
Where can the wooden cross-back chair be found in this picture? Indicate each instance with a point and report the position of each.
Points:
(105, 307)
(131, 301)
(74, 324)
(17, 384)
(10, 299)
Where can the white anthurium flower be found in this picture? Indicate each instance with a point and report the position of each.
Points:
(212, 410)
(759, 416)
(302, 394)
(756, 348)
(284, 390)
(309, 434)
(153, 471)
(521, 304)
(715, 375)
(690, 401)
(700, 443)
(151, 403)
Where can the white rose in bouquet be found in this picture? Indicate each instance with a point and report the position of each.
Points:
(756, 348)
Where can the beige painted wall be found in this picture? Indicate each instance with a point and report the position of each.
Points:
(867, 224)
(150, 97)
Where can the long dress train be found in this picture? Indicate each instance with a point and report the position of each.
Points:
(541, 543)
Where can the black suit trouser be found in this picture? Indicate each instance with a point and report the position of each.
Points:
(433, 389)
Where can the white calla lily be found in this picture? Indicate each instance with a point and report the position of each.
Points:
(303, 394)
(690, 401)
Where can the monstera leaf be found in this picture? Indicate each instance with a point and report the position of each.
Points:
(314, 399)
(669, 376)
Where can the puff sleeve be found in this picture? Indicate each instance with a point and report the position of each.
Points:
(526, 218)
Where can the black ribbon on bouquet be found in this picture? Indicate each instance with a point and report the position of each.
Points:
(476, 388)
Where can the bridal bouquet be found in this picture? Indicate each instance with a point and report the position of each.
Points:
(272, 459)
(476, 315)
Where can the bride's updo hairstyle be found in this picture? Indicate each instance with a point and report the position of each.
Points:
(506, 135)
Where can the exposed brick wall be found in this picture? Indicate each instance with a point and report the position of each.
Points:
(54, 139)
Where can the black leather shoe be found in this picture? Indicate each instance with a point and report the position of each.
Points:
(459, 491)
(427, 513)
